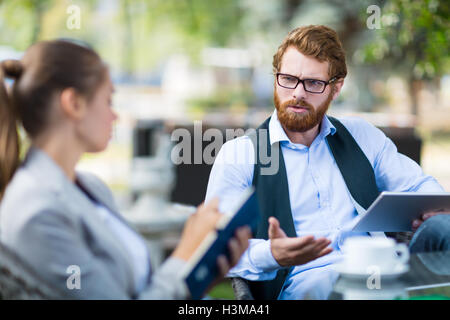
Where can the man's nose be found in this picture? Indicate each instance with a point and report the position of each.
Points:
(299, 92)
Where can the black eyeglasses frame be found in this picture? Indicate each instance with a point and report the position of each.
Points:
(333, 79)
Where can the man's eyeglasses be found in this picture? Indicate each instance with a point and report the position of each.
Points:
(310, 85)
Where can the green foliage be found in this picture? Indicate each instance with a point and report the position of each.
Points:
(226, 97)
(135, 28)
(17, 22)
(222, 291)
(414, 38)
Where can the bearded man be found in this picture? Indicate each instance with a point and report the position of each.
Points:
(328, 171)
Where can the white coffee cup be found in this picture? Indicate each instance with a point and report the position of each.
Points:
(374, 253)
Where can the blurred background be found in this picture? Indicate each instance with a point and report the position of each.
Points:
(174, 62)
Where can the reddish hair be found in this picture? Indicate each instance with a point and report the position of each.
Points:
(319, 42)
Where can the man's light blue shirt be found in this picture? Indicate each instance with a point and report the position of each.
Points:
(320, 201)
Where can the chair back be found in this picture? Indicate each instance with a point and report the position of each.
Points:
(18, 280)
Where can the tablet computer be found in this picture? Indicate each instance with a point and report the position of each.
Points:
(395, 211)
(201, 269)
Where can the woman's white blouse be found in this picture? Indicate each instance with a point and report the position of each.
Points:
(134, 244)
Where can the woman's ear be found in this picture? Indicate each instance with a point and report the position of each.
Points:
(72, 104)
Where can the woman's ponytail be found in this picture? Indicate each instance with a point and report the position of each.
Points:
(9, 138)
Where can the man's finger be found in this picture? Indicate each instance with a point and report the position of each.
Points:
(297, 244)
(273, 225)
(313, 246)
(275, 230)
(321, 246)
(416, 224)
(430, 214)
(310, 248)
(324, 252)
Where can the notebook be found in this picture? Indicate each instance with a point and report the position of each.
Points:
(201, 270)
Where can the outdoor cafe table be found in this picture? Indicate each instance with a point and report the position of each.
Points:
(428, 276)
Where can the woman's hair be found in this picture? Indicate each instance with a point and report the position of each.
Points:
(319, 42)
(46, 69)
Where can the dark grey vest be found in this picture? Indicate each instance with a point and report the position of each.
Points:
(273, 192)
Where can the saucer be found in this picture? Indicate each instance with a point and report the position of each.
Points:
(346, 272)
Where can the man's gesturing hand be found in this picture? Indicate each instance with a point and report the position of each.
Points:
(295, 251)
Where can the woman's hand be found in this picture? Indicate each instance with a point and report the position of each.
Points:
(236, 247)
(199, 225)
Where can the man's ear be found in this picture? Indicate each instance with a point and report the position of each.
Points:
(72, 104)
(337, 88)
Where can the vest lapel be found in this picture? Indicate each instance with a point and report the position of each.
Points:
(273, 197)
(274, 187)
(353, 164)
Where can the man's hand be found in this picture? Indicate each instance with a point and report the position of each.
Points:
(418, 222)
(295, 251)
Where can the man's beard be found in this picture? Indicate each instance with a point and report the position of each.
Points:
(304, 121)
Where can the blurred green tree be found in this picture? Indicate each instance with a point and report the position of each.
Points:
(21, 21)
(148, 29)
(414, 40)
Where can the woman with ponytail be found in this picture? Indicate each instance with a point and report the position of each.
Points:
(59, 219)
(9, 140)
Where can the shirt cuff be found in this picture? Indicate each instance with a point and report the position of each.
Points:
(173, 264)
(170, 269)
(261, 256)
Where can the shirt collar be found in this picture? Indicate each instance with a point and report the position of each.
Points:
(277, 133)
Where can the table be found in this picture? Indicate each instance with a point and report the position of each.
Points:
(429, 273)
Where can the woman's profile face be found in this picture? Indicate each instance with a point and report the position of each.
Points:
(95, 130)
